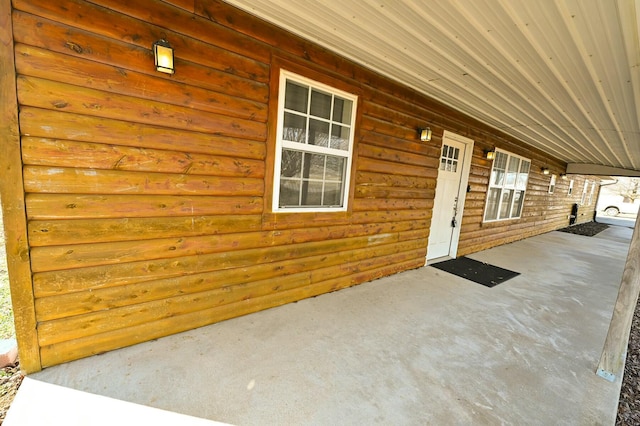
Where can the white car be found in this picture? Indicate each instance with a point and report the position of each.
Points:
(614, 206)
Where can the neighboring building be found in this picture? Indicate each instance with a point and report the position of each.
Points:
(264, 171)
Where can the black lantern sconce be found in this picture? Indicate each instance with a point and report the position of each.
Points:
(490, 154)
(425, 134)
(163, 53)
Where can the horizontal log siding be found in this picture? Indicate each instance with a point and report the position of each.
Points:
(146, 193)
(542, 212)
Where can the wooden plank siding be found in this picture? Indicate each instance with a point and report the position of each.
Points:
(148, 196)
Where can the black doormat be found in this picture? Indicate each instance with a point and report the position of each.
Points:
(478, 272)
(588, 229)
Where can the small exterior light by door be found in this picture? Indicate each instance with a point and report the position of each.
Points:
(545, 171)
(425, 134)
(163, 53)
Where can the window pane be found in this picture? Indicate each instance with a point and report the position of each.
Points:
(291, 164)
(521, 181)
(500, 162)
(314, 166)
(332, 194)
(517, 204)
(552, 184)
(289, 192)
(505, 203)
(318, 133)
(295, 128)
(340, 137)
(514, 165)
(335, 168)
(492, 204)
(342, 110)
(499, 166)
(497, 177)
(320, 104)
(296, 97)
(312, 194)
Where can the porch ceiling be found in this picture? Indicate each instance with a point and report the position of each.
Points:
(560, 75)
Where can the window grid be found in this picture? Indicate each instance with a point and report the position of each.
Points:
(314, 146)
(584, 192)
(593, 190)
(507, 187)
(449, 158)
(552, 184)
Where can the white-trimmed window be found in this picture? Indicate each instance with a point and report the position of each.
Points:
(593, 190)
(552, 184)
(314, 146)
(584, 192)
(507, 186)
(570, 191)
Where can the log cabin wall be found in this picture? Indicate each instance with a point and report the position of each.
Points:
(542, 211)
(148, 196)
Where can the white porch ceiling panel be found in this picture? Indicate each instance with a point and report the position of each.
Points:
(560, 75)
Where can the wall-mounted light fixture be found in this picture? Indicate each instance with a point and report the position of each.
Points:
(425, 134)
(545, 170)
(489, 154)
(563, 176)
(163, 53)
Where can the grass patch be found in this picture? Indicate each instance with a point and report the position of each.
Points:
(7, 329)
(6, 313)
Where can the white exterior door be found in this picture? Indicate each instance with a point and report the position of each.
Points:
(451, 186)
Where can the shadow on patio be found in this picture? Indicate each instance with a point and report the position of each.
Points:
(420, 347)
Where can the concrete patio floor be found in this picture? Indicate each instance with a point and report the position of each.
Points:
(420, 347)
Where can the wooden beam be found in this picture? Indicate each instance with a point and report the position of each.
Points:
(615, 347)
(13, 202)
